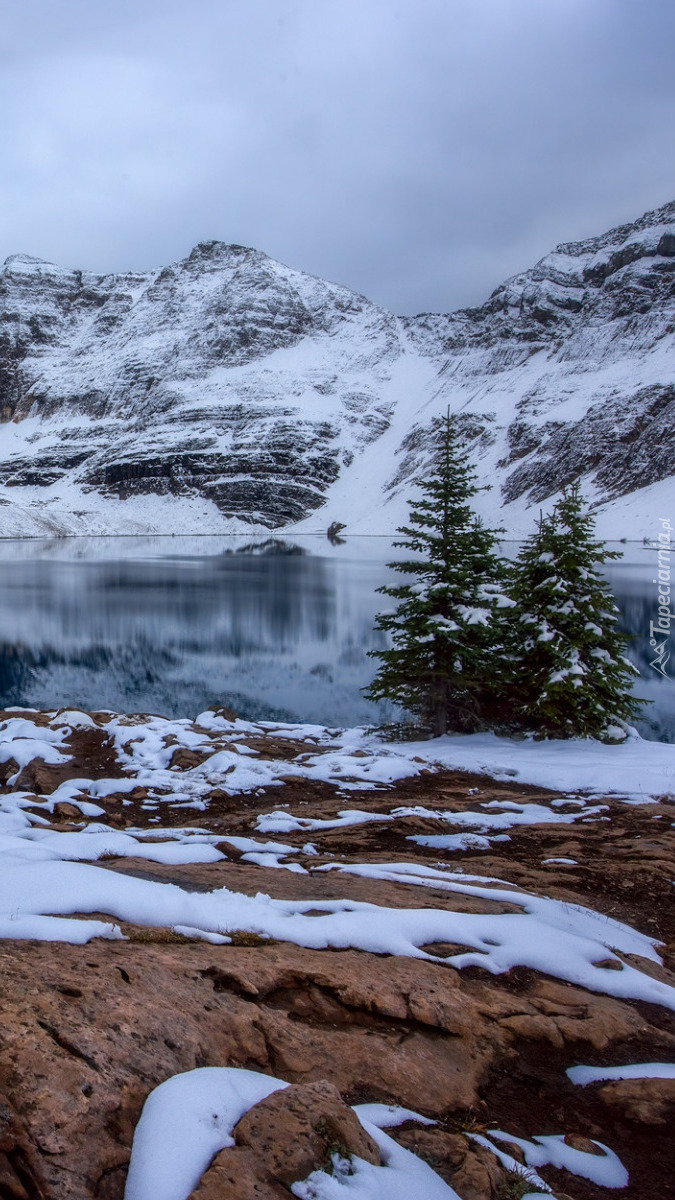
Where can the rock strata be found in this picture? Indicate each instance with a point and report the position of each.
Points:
(228, 391)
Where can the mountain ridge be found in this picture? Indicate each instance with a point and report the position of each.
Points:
(228, 391)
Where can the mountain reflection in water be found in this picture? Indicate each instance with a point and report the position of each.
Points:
(271, 629)
(268, 629)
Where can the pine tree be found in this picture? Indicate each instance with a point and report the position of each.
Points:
(569, 676)
(446, 628)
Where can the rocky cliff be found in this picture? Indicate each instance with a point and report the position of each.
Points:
(229, 389)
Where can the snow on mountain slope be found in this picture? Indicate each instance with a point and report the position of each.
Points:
(567, 369)
(228, 392)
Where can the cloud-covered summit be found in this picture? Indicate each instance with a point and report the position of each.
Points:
(418, 152)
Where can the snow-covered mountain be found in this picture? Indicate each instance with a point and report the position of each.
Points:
(228, 392)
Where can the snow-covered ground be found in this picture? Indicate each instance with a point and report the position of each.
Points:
(634, 770)
(48, 874)
(52, 881)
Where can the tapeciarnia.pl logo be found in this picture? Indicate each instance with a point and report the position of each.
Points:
(659, 630)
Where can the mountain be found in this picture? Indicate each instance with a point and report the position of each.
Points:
(228, 393)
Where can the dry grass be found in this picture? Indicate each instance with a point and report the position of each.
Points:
(152, 934)
(240, 937)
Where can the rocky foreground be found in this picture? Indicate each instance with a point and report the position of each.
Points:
(385, 938)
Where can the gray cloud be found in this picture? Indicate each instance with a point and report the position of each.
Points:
(418, 151)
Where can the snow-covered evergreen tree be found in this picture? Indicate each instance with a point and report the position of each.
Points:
(446, 631)
(569, 673)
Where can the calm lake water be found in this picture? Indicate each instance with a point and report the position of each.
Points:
(272, 629)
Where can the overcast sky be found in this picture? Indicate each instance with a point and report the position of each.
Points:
(419, 151)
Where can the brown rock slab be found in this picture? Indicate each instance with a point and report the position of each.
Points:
(481, 1176)
(647, 1101)
(236, 1174)
(282, 1140)
(8, 768)
(64, 811)
(184, 759)
(21, 1177)
(295, 1131)
(578, 1142)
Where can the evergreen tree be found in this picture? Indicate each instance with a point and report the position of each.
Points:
(446, 629)
(569, 675)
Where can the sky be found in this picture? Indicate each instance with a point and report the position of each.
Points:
(418, 151)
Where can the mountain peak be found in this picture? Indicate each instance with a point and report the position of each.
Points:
(28, 263)
(653, 220)
(222, 253)
(229, 390)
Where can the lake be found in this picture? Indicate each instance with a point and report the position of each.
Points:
(273, 629)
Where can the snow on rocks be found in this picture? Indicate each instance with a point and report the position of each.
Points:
(403, 1175)
(527, 1174)
(22, 741)
(563, 940)
(266, 854)
(49, 874)
(566, 941)
(184, 1123)
(78, 840)
(496, 815)
(599, 1164)
(285, 822)
(352, 759)
(46, 877)
(100, 841)
(652, 1070)
(192, 1116)
(388, 1116)
(515, 814)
